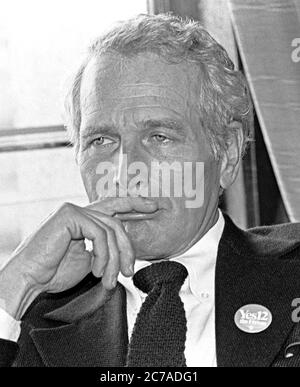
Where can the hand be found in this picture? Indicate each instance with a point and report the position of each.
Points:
(55, 259)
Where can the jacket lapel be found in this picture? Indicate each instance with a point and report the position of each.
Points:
(92, 331)
(246, 275)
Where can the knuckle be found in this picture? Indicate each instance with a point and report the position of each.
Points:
(66, 208)
(110, 233)
(62, 213)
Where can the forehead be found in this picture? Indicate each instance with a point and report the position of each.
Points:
(143, 79)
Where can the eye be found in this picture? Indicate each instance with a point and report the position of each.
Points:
(102, 141)
(160, 138)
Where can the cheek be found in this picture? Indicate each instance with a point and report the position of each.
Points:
(211, 179)
(88, 168)
(185, 221)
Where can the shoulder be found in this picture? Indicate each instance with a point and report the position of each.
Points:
(287, 231)
(267, 241)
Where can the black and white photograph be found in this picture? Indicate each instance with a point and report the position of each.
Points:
(149, 186)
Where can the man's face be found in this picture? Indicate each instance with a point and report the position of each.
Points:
(142, 109)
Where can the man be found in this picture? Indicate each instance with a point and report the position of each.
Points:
(154, 89)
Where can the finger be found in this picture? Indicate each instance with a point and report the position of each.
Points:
(81, 227)
(100, 253)
(127, 256)
(112, 206)
(144, 205)
(112, 268)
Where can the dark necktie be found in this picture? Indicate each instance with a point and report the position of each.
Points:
(159, 333)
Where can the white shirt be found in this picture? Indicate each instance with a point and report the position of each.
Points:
(10, 329)
(197, 294)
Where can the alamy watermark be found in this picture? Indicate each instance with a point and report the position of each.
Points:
(160, 179)
(296, 310)
(296, 50)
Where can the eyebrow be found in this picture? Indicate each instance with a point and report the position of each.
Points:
(164, 123)
(90, 131)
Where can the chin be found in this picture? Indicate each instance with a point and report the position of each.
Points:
(147, 239)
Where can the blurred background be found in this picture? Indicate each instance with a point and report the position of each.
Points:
(41, 42)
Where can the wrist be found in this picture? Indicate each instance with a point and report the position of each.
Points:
(16, 291)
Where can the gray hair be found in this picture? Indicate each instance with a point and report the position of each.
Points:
(224, 94)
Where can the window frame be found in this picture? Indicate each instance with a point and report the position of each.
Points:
(55, 136)
(23, 139)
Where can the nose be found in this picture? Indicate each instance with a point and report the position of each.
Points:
(120, 171)
(131, 172)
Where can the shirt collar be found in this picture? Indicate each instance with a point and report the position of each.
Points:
(200, 262)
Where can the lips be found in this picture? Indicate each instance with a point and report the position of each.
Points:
(135, 215)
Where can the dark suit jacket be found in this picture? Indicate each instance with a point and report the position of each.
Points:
(87, 326)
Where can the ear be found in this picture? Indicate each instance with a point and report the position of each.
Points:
(232, 156)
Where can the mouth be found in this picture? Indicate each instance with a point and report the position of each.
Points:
(136, 216)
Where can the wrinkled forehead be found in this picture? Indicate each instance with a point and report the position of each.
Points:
(112, 78)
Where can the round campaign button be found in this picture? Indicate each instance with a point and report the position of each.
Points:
(253, 318)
